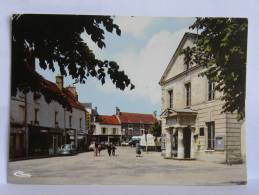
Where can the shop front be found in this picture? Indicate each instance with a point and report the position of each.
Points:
(17, 142)
(44, 141)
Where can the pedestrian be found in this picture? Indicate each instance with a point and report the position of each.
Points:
(99, 148)
(109, 149)
(95, 149)
(113, 149)
(138, 150)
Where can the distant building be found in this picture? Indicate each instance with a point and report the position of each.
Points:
(193, 125)
(107, 129)
(39, 128)
(134, 124)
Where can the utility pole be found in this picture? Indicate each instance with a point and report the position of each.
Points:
(146, 132)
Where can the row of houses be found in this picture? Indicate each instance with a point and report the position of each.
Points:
(121, 126)
(38, 128)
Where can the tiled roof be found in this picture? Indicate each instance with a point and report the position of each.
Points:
(72, 100)
(69, 97)
(108, 120)
(126, 117)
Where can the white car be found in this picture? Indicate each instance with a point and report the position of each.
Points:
(91, 147)
(124, 143)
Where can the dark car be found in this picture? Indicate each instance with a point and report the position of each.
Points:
(133, 142)
(67, 149)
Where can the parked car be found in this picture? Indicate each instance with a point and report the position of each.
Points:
(67, 149)
(124, 143)
(91, 147)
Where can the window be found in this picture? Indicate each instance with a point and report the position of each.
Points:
(56, 118)
(211, 135)
(170, 93)
(22, 114)
(114, 131)
(80, 123)
(188, 94)
(36, 110)
(70, 121)
(201, 131)
(103, 130)
(211, 91)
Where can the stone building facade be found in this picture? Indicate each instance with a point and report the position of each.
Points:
(193, 125)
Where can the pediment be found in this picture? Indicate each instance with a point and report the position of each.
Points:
(176, 64)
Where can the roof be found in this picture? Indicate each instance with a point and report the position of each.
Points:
(179, 47)
(108, 120)
(72, 100)
(69, 97)
(184, 111)
(126, 117)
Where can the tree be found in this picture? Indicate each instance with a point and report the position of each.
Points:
(56, 39)
(155, 129)
(221, 47)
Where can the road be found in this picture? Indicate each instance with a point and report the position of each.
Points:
(125, 168)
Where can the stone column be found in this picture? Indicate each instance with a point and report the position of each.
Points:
(192, 143)
(168, 145)
(180, 149)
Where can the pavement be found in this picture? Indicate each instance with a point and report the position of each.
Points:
(123, 169)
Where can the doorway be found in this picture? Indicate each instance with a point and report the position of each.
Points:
(187, 142)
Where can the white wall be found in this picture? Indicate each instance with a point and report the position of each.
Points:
(46, 112)
(109, 129)
(76, 115)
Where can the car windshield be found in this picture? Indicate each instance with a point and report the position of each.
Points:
(66, 147)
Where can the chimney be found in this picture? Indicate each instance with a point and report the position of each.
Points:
(59, 81)
(72, 89)
(117, 111)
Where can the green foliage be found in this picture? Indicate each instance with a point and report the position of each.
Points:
(56, 39)
(155, 129)
(221, 47)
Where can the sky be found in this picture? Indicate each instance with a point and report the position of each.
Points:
(143, 51)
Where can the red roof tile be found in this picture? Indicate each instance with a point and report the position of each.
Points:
(70, 98)
(126, 117)
(108, 120)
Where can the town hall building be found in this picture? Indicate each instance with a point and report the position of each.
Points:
(193, 125)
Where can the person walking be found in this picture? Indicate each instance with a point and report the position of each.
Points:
(138, 150)
(113, 149)
(109, 149)
(99, 148)
(95, 149)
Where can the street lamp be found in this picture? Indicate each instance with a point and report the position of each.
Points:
(146, 132)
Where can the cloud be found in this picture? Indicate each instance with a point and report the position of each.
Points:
(145, 68)
(135, 26)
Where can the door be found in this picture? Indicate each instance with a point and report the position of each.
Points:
(187, 142)
(55, 144)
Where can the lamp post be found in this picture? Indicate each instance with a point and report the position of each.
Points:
(146, 132)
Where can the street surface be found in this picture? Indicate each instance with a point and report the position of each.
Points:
(125, 168)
